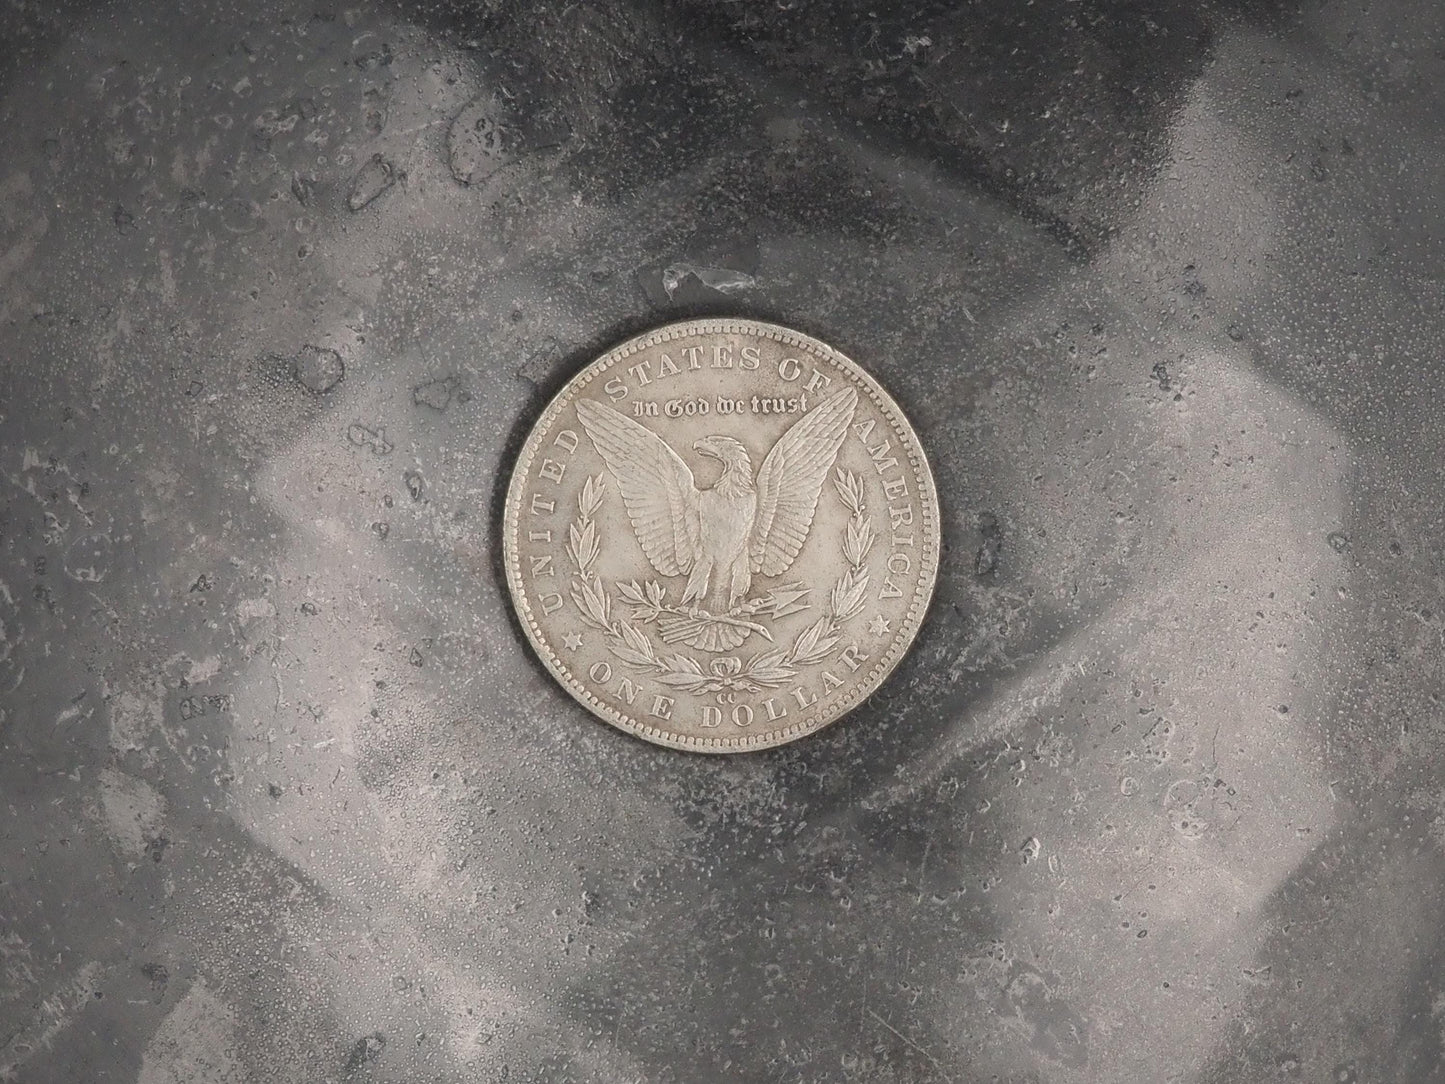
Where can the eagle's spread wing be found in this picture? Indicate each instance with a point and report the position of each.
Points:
(791, 478)
(656, 486)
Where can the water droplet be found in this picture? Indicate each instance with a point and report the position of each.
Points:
(319, 369)
(375, 178)
(478, 143)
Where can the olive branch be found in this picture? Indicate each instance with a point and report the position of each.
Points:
(590, 594)
(765, 670)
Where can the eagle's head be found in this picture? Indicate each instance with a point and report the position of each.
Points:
(732, 453)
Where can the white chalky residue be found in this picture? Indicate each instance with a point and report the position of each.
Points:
(207, 668)
(133, 719)
(195, 1044)
(133, 811)
(254, 609)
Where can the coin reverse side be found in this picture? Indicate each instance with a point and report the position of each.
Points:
(721, 535)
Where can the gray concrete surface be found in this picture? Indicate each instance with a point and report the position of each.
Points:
(1158, 796)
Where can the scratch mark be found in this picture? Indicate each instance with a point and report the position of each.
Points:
(912, 1045)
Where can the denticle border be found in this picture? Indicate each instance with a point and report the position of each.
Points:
(929, 530)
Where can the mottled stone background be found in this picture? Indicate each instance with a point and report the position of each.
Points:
(1159, 795)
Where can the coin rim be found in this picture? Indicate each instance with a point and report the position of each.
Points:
(930, 529)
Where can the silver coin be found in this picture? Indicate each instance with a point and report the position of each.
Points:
(721, 535)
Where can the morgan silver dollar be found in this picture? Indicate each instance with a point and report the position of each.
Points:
(721, 535)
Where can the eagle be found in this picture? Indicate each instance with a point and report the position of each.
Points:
(742, 526)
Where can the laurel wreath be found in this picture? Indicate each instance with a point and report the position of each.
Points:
(764, 670)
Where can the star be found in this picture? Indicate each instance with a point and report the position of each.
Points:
(878, 626)
(572, 640)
